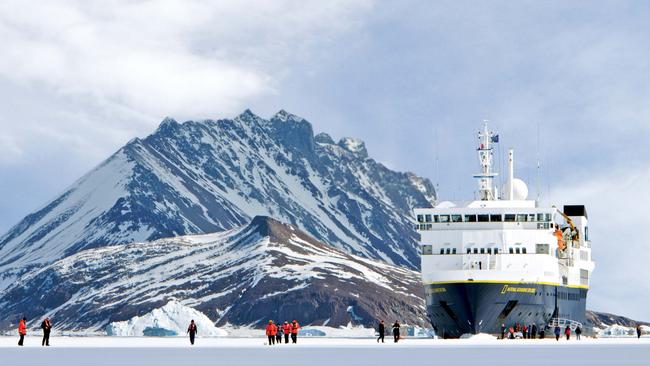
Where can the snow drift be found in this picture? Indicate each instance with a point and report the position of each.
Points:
(169, 320)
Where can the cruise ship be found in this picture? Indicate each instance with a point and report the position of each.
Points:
(503, 259)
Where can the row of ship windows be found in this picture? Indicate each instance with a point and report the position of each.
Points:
(428, 227)
(428, 250)
(540, 217)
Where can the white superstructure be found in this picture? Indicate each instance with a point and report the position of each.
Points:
(506, 239)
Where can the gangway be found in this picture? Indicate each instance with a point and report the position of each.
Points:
(563, 323)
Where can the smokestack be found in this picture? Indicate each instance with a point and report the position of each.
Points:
(511, 174)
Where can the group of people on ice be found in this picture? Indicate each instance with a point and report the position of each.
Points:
(275, 332)
(382, 331)
(531, 331)
(46, 325)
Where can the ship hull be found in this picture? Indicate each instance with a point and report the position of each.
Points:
(469, 307)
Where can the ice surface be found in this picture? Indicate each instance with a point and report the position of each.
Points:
(316, 351)
(169, 320)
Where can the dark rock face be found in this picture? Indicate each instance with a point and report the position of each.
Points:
(603, 320)
(197, 177)
(245, 276)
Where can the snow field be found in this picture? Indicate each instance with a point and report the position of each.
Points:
(112, 351)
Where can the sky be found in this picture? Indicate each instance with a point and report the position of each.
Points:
(564, 83)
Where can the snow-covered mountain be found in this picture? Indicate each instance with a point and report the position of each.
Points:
(244, 276)
(208, 176)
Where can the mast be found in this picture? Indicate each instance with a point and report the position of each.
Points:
(485, 190)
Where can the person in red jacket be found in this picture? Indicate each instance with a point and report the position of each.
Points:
(271, 331)
(22, 330)
(192, 330)
(294, 331)
(286, 328)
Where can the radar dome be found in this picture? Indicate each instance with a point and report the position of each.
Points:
(519, 191)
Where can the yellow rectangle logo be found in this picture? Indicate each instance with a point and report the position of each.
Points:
(526, 290)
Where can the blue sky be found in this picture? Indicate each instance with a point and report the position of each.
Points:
(565, 83)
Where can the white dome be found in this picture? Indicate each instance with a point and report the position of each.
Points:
(520, 189)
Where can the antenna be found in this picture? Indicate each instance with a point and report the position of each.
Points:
(485, 155)
(538, 167)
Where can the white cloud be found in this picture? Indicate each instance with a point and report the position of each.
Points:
(183, 58)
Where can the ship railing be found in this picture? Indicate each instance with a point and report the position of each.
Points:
(562, 323)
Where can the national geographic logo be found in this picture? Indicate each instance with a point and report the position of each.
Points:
(525, 290)
(436, 290)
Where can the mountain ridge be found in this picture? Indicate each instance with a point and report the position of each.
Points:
(265, 269)
(196, 177)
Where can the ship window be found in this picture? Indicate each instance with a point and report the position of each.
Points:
(427, 250)
(586, 233)
(509, 218)
(531, 217)
(482, 250)
(522, 217)
(523, 250)
(495, 218)
(420, 218)
(470, 218)
(469, 251)
(517, 250)
(475, 250)
(510, 250)
(427, 218)
(547, 217)
(442, 250)
(483, 218)
(540, 217)
(436, 218)
(444, 218)
(453, 251)
(496, 250)
(448, 251)
(456, 218)
(489, 250)
(541, 248)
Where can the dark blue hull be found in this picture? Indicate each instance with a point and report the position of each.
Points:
(459, 308)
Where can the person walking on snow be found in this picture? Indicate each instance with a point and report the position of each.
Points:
(278, 335)
(294, 331)
(271, 331)
(286, 329)
(638, 331)
(557, 332)
(396, 331)
(22, 330)
(381, 331)
(192, 330)
(46, 326)
(567, 332)
(503, 331)
(578, 332)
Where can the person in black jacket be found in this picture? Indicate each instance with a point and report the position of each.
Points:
(396, 331)
(46, 325)
(638, 331)
(192, 330)
(503, 331)
(381, 331)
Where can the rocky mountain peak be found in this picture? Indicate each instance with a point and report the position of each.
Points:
(323, 138)
(354, 146)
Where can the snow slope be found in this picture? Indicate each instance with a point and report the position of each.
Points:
(245, 276)
(208, 176)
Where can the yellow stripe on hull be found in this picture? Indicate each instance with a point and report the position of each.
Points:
(506, 283)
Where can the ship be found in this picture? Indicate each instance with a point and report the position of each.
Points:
(502, 260)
